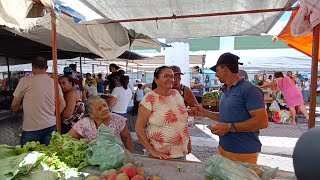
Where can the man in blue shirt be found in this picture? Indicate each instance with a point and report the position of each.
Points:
(241, 114)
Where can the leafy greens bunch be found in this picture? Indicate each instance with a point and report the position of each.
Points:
(63, 147)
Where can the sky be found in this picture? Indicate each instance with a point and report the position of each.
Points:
(84, 10)
(282, 22)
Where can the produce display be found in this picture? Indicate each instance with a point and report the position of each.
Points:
(127, 172)
(63, 147)
(62, 158)
(212, 95)
(16, 164)
(65, 156)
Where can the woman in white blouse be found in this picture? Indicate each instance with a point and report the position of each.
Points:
(120, 96)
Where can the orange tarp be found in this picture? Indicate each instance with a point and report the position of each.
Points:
(302, 44)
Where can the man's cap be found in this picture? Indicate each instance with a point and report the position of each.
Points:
(176, 70)
(67, 69)
(226, 58)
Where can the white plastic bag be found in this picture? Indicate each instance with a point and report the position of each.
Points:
(274, 107)
(224, 169)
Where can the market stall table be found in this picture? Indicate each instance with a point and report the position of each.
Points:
(175, 169)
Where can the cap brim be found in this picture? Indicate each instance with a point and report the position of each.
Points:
(214, 68)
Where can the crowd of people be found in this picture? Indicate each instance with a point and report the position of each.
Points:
(82, 111)
(291, 93)
(302, 83)
(295, 90)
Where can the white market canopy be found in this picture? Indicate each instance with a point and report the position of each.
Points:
(147, 16)
(105, 40)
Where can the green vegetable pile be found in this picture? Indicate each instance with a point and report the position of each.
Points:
(63, 148)
(212, 95)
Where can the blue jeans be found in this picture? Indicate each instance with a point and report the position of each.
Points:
(306, 96)
(129, 109)
(42, 135)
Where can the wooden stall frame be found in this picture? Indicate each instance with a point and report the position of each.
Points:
(314, 74)
(55, 67)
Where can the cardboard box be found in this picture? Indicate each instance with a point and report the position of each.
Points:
(210, 102)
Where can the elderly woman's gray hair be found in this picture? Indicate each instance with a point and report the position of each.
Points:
(88, 105)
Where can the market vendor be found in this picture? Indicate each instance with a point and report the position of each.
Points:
(241, 114)
(161, 124)
(97, 113)
(74, 105)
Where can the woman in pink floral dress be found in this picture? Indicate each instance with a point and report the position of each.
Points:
(162, 119)
(97, 113)
(292, 95)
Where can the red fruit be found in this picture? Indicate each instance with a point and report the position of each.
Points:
(106, 173)
(130, 171)
(112, 177)
(102, 178)
(125, 166)
(140, 171)
(122, 168)
(122, 176)
(137, 177)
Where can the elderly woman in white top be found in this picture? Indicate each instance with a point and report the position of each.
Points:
(97, 113)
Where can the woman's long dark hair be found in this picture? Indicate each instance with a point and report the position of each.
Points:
(69, 78)
(278, 74)
(115, 66)
(156, 75)
(124, 81)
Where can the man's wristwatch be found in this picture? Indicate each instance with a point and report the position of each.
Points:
(233, 128)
